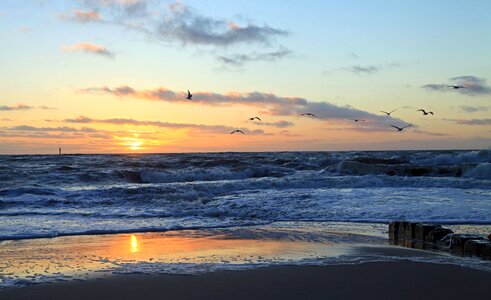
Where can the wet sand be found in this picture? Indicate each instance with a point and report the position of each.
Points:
(384, 280)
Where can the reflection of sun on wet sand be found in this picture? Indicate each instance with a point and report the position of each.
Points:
(212, 252)
(134, 243)
(83, 256)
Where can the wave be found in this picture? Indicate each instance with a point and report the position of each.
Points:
(482, 171)
(84, 193)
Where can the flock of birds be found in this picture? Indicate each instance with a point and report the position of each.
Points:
(308, 114)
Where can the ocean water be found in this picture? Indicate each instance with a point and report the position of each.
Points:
(47, 195)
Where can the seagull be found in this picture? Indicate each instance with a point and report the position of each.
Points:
(357, 120)
(388, 113)
(252, 119)
(400, 128)
(190, 96)
(237, 130)
(309, 115)
(425, 112)
(456, 87)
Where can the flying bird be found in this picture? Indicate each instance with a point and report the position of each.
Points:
(388, 113)
(308, 114)
(252, 119)
(425, 112)
(357, 120)
(237, 130)
(400, 128)
(190, 96)
(456, 87)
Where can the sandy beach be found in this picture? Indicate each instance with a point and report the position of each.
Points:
(388, 280)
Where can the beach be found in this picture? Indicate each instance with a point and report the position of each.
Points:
(278, 261)
(388, 280)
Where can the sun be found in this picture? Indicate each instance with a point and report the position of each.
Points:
(135, 145)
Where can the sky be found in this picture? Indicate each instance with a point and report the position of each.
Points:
(111, 76)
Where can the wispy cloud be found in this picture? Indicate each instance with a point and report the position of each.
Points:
(238, 60)
(357, 69)
(473, 109)
(16, 107)
(475, 122)
(27, 131)
(277, 124)
(187, 26)
(121, 8)
(57, 129)
(365, 69)
(128, 121)
(473, 86)
(89, 48)
(82, 16)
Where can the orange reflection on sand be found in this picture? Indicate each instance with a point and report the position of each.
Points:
(83, 256)
(133, 243)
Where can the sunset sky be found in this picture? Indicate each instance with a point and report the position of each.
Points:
(110, 76)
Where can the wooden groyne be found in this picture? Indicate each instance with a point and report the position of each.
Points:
(435, 237)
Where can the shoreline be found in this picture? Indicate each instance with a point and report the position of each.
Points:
(484, 227)
(193, 252)
(374, 280)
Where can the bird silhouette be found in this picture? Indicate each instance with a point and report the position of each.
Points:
(252, 118)
(456, 87)
(388, 113)
(308, 115)
(189, 96)
(237, 130)
(400, 128)
(425, 112)
(357, 120)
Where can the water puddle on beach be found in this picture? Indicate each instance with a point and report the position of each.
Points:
(24, 262)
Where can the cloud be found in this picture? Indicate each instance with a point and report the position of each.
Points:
(121, 8)
(473, 86)
(475, 122)
(277, 124)
(357, 69)
(57, 129)
(89, 48)
(353, 55)
(46, 107)
(365, 69)
(430, 133)
(6, 119)
(270, 104)
(473, 109)
(16, 107)
(82, 16)
(195, 127)
(238, 60)
(179, 24)
(65, 132)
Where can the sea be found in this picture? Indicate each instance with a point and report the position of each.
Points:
(63, 195)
